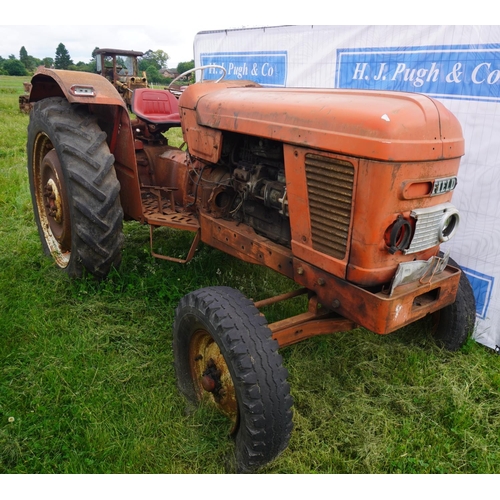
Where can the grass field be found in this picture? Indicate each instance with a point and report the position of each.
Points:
(87, 382)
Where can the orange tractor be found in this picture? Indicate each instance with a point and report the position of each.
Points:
(346, 192)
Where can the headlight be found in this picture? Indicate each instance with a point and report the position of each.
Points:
(449, 224)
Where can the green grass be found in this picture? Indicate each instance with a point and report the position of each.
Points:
(87, 382)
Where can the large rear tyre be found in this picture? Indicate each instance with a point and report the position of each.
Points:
(224, 355)
(74, 189)
(453, 324)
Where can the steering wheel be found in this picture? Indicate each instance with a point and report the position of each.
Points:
(192, 70)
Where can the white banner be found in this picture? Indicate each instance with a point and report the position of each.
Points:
(459, 65)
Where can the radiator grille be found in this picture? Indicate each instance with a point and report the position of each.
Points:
(330, 187)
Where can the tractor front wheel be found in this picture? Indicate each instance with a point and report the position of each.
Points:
(74, 189)
(224, 355)
(452, 325)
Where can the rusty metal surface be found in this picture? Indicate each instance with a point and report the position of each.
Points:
(315, 321)
(119, 52)
(242, 242)
(280, 298)
(379, 312)
(316, 216)
(178, 260)
(24, 104)
(380, 200)
(337, 220)
(330, 186)
(211, 376)
(125, 78)
(305, 245)
(24, 100)
(204, 143)
(53, 82)
(51, 198)
(375, 311)
(394, 126)
(171, 170)
(158, 210)
(328, 193)
(115, 122)
(307, 326)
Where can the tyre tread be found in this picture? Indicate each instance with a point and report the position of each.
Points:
(94, 189)
(456, 321)
(265, 406)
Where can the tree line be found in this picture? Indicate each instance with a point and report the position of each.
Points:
(152, 62)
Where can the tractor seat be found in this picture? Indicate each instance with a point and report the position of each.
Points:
(156, 106)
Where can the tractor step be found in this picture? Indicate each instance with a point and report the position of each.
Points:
(158, 208)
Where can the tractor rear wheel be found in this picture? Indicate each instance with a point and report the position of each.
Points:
(224, 355)
(74, 189)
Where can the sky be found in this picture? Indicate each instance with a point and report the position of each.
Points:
(172, 26)
(167, 26)
(80, 40)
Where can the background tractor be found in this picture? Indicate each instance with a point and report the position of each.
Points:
(346, 192)
(24, 99)
(120, 67)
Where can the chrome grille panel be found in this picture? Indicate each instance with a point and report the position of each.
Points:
(428, 227)
(330, 185)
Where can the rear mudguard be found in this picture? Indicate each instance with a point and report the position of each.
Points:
(75, 86)
(103, 100)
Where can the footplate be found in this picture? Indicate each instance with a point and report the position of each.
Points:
(159, 210)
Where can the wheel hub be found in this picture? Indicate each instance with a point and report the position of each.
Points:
(210, 380)
(211, 376)
(53, 202)
(55, 206)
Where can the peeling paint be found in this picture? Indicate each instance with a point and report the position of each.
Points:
(397, 311)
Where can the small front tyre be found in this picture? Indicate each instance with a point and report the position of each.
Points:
(224, 355)
(453, 324)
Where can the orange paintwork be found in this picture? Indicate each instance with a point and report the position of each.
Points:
(395, 145)
(391, 139)
(370, 124)
(370, 263)
(205, 143)
(241, 241)
(298, 208)
(48, 82)
(376, 311)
